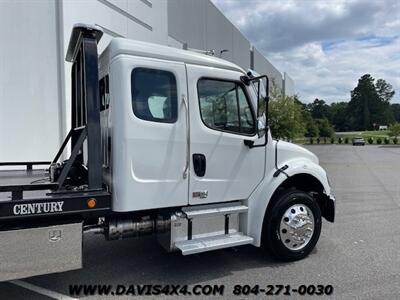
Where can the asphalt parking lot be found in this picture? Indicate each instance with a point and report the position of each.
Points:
(359, 255)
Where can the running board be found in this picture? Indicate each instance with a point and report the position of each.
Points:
(213, 243)
(214, 210)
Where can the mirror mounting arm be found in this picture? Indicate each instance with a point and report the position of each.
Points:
(251, 145)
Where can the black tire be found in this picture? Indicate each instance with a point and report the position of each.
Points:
(271, 240)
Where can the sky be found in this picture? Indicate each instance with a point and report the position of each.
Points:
(324, 45)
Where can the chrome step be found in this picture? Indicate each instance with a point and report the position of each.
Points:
(214, 209)
(213, 243)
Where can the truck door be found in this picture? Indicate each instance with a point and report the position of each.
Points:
(150, 134)
(222, 116)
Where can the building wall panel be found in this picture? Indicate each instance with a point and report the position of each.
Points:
(263, 66)
(218, 32)
(29, 83)
(288, 85)
(241, 50)
(186, 22)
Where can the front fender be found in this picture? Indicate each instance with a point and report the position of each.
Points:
(259, 199)
(305, 166)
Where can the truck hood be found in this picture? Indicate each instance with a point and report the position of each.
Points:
(287, 151)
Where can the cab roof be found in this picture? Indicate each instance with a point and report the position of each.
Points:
(120, 46)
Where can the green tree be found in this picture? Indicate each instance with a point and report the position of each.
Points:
(311, 126)
(340, 119)
(319, 109)
(395, 107)
(324, 127)
(366, 106)
(385, 90)
(394, 130)
(388, 115)
(285, 115)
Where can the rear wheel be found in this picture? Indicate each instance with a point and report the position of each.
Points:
(292, 226)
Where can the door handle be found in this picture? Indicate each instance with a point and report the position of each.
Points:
(199, 164)
(187, 160)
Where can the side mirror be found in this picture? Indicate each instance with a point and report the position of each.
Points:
(262, 110)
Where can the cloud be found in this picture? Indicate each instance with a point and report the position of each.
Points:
(325, 46)
(331, 73)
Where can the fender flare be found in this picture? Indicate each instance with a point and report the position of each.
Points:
(260, 198)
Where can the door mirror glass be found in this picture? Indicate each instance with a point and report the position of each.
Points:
(261, 125)
(259, 88)
(260, 85)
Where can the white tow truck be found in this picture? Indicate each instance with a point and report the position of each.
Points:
(163, 141)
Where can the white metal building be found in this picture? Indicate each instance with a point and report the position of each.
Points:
(35, 79)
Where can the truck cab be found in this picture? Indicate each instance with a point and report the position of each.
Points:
(177, 121)
(178, 145)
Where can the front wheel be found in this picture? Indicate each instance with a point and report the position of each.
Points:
(292, 226)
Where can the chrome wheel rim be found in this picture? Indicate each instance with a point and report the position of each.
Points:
(297, 227)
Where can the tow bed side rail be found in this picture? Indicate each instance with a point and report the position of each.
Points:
(63, 204)
(29, 164)
(18, 189)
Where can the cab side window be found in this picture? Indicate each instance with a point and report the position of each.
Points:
(224, 106)
(154, 95)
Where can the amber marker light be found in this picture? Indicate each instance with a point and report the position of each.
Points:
(91, 203)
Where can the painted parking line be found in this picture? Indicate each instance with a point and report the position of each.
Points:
(42, 291)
